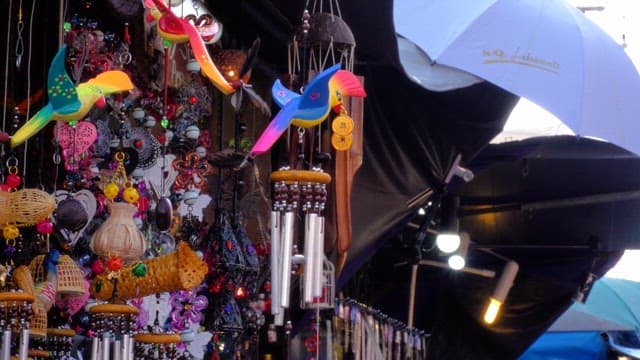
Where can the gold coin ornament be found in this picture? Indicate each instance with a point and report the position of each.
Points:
(342, 125)
(341, 142)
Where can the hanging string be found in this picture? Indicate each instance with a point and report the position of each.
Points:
(6, 68)
(27, 115)
(19, 41)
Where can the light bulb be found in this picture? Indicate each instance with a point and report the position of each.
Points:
(492, 311)
(456, 262)
(448, 242)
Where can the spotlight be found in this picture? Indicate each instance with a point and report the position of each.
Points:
(501, 291)
(448, 242)
(458, 260)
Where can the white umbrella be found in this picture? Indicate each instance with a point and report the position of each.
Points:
(544, 50)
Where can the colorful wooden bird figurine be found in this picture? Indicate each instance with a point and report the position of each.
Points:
(324, 93)
(175, 29)
(178, 30)
(68, 102)
(46, 290)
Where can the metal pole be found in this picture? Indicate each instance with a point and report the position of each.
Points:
(412, 294)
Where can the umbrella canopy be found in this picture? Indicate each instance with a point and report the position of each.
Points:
(576, 320)
(544, 50)
(616, 300)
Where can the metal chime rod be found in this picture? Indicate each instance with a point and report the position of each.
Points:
(319, 254)
(309, 255)
(275, 266)
(117, 350)
(126, 347)
(23, 349)
(132, 345)
(5, 353)
(95, 347)
(105, 346)
(287, 241)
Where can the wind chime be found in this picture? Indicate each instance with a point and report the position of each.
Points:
(113, 326)
(323, 44)
(15, 315)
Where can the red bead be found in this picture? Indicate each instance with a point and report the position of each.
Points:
(137, 143)
(193, 100)
(13, 181)
(45, 227)
(114, 263)
(229, 245)
(97, 267)
(143, 204)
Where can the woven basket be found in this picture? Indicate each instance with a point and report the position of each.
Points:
(119, 235)
(25, 207)
(39, 324)
(179, 270)
(70, 279)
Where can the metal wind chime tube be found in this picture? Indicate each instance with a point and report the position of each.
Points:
(23, 348)
(95, 347)
(127, 347)
(106, 337)
(309, 252)
(319, 250)
(287, 243)
(275, 262)
(5, 352)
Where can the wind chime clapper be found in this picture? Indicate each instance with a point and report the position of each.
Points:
(293, 190)
(113, 326)
(15, 317)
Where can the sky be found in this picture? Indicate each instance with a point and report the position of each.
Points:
(617, 19)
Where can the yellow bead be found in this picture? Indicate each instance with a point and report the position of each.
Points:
(10, 232)
(111, 190)
(130, 195)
